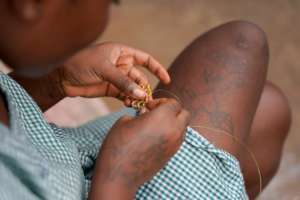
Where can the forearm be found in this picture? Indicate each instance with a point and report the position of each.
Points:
(108, 186)
(44, 90)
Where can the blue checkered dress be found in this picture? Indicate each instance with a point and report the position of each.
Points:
(39, 160)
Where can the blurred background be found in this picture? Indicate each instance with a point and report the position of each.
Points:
(164, 27)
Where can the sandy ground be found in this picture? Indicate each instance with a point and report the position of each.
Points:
(165, 27)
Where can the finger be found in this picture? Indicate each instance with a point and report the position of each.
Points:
(125, 84)
(113, 91)
(135, 74)
(127, 102)
(95, 90)
(169, 107)
(152, 104)
(126, 60)
(144, 59)
(183, 118)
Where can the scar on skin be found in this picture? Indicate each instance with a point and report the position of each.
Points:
(242, 42)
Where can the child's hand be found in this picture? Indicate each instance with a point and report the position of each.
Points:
(135, 149)
(109, 69)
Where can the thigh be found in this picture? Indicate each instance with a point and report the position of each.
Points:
(219, 78)
(269, 129)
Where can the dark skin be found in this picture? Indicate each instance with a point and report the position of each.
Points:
(107, 69)
(138, 160)
(61, 63)
(223, 86)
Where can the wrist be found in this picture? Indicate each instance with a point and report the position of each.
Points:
(111, 191)
(46, 90)
(54, 85)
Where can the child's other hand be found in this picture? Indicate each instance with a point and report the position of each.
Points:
(109, 69)
(135, 149)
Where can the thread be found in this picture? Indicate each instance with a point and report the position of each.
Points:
(243, 145)
(227, 134)
(170, 93)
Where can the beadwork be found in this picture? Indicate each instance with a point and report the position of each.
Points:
(140, 104)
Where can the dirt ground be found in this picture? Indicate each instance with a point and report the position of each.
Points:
(165, 27)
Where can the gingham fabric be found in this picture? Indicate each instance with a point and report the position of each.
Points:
(39, 160)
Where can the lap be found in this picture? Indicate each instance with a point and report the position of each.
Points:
(198, 170)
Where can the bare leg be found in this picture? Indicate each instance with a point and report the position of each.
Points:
(220, 78)
(269, 129)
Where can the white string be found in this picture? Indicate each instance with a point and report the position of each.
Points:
(244, 146)
(226, 133)
(170, 93)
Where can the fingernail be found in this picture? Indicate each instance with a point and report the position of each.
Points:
(139, 93)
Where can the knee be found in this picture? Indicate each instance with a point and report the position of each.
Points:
(277, 108)
(247, 35)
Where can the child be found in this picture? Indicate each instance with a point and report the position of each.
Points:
(220, 78)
